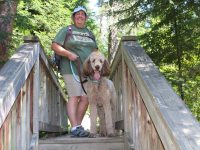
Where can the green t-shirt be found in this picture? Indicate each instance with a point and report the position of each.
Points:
(79, 41)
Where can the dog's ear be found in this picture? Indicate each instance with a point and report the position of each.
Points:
(87, 69)
(105, 69)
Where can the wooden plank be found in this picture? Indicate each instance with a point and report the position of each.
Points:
(117, 78)
(27, 110)
(68, 143)
(114, 65)
(36, 89)
(34, 142)
(1, 138)
(18, 127)
(129, 38)
(14, 127)
(50, 128)
(23, 115)
(125, 96)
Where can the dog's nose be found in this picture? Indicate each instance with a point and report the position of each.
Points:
(97, 67)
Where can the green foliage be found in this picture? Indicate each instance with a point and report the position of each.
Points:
(41, 18)
(44, 19)
(169, 31)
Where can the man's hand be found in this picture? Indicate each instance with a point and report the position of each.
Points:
(72, 56)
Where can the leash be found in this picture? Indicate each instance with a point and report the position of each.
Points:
(73, 73)
(78, 64)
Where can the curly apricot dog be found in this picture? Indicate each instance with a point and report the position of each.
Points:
(101, 94)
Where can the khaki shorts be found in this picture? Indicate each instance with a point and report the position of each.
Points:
(73, 87)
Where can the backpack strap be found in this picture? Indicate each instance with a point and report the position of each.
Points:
(68, 34)
(91, 35)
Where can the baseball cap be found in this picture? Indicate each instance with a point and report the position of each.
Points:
(79, 8)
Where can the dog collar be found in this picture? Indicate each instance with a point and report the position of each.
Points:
(94, 81)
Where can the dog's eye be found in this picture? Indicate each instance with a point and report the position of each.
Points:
(93, 60)
(101, 61)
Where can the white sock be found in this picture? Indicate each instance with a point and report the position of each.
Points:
(74, 128)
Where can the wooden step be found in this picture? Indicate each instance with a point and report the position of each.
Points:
(65, 142)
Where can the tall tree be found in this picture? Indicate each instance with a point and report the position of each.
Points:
(8, 10)
(169, 30)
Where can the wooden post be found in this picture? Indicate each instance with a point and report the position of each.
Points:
(33, 39)
(129, 38)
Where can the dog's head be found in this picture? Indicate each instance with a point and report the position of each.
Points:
(96, 65)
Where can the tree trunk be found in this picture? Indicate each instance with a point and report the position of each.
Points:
(109, 43)
(8, 9)
(179, 60)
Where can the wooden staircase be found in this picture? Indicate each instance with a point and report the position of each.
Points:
(150, 114)
(65, 142)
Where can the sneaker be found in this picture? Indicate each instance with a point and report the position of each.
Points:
(79, 132)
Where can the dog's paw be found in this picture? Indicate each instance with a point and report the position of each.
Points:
(92, 135)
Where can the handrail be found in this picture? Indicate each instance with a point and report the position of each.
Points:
(27, 106)
(154, 116)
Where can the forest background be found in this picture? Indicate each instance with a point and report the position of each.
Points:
(169, 31)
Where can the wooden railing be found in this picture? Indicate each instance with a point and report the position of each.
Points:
(31, 99)
(151, 114)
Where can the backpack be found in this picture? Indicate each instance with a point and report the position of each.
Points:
(55, 58)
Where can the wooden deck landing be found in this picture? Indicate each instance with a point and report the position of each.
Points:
(65, 142)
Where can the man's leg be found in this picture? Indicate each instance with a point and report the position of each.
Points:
(76, 109)
(72, 106)
(81, 109)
